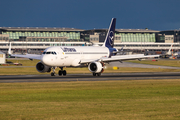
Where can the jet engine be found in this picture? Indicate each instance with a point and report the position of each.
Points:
(40, 67)
(96, 67)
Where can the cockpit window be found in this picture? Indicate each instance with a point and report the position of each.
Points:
(50, 52)
(54, 53)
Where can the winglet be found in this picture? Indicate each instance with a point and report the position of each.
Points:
(9, 51)
(109, 41)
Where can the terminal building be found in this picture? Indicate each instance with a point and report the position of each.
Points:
(39, 34)
(170, 36)
(123, 35)
(38, 39)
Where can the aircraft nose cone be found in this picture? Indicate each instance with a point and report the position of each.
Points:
(44, 59)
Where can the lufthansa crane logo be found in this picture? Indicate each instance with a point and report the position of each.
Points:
(111, 37)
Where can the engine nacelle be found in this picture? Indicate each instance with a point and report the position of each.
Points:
(95, 67)
(40, 67)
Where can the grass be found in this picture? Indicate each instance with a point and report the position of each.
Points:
(133, 99)
(162, 62)
(24, 62)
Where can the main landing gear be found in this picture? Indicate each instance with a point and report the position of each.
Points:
(96, 74)
(60, 73)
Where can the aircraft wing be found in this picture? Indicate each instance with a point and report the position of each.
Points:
(119, 58)
(128, 57)
(30, 56)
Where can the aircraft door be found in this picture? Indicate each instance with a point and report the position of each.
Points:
(59, 59)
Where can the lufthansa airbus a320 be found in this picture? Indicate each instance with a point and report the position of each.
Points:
(93, 57)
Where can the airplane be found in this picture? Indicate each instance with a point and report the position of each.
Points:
(93, 57)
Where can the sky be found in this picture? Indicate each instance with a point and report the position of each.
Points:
(91, 14)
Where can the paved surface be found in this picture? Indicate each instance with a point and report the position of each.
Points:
(88, 77)
(129, 64)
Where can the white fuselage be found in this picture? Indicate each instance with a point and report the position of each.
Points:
(72, 56)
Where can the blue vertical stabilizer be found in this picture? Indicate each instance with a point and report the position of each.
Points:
(109, 41)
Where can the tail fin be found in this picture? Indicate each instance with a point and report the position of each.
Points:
(9, 50)
(109, 41)
(169, 51)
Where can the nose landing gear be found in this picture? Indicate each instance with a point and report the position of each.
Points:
(53, 73)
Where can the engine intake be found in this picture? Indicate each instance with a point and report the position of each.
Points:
(40, 67)
(95, 67)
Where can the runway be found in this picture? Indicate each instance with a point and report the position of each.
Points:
(88, 77)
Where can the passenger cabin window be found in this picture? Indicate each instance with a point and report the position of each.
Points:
(49, 52)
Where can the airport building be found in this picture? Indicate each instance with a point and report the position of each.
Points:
(39, 34)
(169, 36)
(37, 39)
(123, 35)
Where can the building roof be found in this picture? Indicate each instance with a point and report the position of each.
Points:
(124, 30)
(38, 29)
(170, 30)
(136, 30)
(71, 29)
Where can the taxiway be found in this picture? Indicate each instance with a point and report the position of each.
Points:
(88, 77)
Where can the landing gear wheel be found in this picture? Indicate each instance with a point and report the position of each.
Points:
(98, 74)
(52, 74)
(60, 73)
(64, 72)
(94, 74)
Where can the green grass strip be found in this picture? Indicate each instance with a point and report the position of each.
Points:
(162, 62)
(133, 99)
